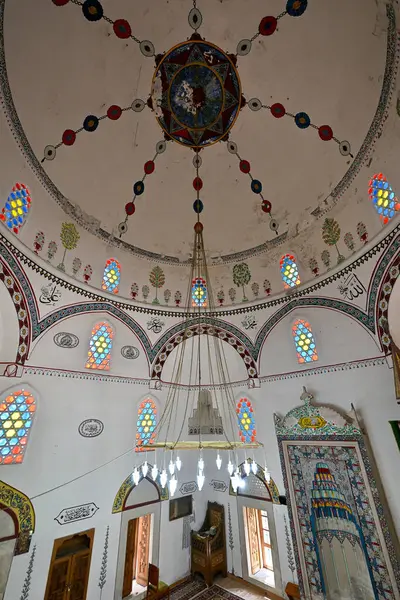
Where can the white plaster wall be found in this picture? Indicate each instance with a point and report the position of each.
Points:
(9, 327)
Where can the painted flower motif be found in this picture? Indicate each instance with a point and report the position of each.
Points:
(383, 305)
(9, 282)
(22, 349)
(17, 298)
(386, 339)
(394, 272)
(382, 321)
(387, 289)
(21, 314)
(23, 332)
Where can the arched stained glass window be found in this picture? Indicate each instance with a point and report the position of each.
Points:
(100, 346)
(17, 207)
(289, 271)
(383, 197)
(16, 416)
(111, 276)
(199, 292)
(247, 426)
(146, 424)
(304, 342)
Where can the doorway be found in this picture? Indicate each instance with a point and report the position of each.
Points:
(137, 555)
(259, 546)
(69, 568)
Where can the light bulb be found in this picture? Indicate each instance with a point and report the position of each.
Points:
(267, 475)
(178, 463)
(246, 467)
(173, 485)
(200, 480)
(163, 478)
(230, 467)
(219, 462)
(136, 476)
(241, 482)
(254, 467)
(200, 464)
(145, 468)
(154, 472)
(171, 467)
(234, 483)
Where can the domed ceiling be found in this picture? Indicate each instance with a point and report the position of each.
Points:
(135, 110)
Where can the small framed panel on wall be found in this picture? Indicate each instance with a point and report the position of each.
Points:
(180, 507)
(343, 545)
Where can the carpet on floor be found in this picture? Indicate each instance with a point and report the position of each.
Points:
(188, 589)
(217, 593)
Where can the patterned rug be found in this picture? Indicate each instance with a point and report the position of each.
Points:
(216, 593)
(188, 589)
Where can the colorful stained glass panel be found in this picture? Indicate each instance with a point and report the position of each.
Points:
(100, 346)
(17, 207)
(199, 292)
(146, 425)
(304, 342)
(245, 414)
(289, 271)
(383, 197)
(16, 416)
(111, 276)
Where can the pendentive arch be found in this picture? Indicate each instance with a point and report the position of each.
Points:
(128, 485)
(271, 487)
(18, 505)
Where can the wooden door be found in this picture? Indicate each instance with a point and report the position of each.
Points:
(143, 548)
(79, 576)
(253, 539)
(58, 584)
(130, 556)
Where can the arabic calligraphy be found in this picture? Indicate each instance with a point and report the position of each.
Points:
(351, 288)
(249, 322)
(155, 324)
(50, 294)
(66, 340)
(76, 513)
(91, 428)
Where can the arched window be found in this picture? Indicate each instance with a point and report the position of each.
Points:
(146, 424)
(199, 292)
(100, 346)
(16, 416)
(383, 197)
(247, 427)
(17, 207)
(111, 276)
(304, 341)
(289, 271)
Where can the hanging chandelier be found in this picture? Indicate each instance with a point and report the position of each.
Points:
(201, 350)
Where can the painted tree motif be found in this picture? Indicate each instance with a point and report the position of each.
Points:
(255, 288)
(69, 238)
(326, 258)
(362, 232)
(267, 287)
(28, 577)
(167, 295)
(331, 235)
(134, 290)
(241, 277)
(232, 294)
(157, 280)
(87, 273)
(39, 242)
(178, 298)
(145, 292)
(104, 560)
(313, 264)
(221, 297)
(76, 265)
(51, 250)
(349, 240)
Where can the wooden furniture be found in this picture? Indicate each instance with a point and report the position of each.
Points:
(156, 588)
(208, 547)
(292, 590)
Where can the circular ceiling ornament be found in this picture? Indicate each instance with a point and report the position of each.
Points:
(149, 167)
(122, 29)
(244, 166)
(274, 225)
(267, 26)
(60, 2)
(91, 428)
(114, 112)
(197, 161)
(161, 147)
(138, 105)
(68, 137)
(92, 10)
(198, 206)
(197, 89)
(345, 148)
(278, 110)
(254, 104)
(256, 186)
(295, 8)
(91, 123)
(147, 48)
(325, 133)
(266, 206)
(195, 18)
(232, 147)
(130, 208)
(302, 120)
(49, 153)
(243, 47)
(197, 183)
(138, 188)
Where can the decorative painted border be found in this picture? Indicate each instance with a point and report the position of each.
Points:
(21, 308)
(92, 224)
(20, 505)
(128, 485)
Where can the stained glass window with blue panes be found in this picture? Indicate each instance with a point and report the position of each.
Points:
(199, 292)
(17, 207)
(245, 415)
(383, 197)
(289, 271)
(16, 416)
(100, 346)
(111, 276)
(146, 425)
(304, 341)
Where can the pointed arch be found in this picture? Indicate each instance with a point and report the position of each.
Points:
(128, 485)
(17, 411)
(146, 424)
(304, 342)
(21, 510)
(100, 346)
(199, 292)
(246, 421)
(383, 197)
(16, 208)
(289, 271)
(111, 276)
